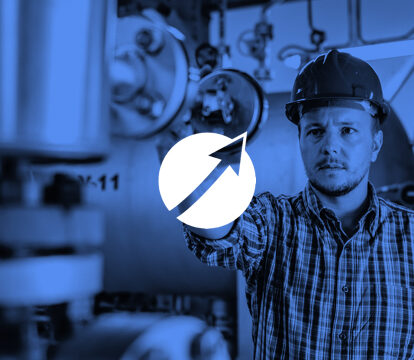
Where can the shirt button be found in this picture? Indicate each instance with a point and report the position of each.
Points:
(345, 289)
(342, 336)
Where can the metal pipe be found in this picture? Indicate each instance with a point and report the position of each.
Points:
(363, 41)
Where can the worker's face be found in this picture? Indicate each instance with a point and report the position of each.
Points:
(338, 145)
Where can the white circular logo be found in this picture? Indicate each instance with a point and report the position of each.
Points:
(208, 190)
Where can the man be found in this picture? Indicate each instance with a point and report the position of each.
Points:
(329, 271)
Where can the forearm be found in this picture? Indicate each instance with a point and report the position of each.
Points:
(242, 246)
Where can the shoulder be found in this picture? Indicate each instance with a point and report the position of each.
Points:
(390, 209)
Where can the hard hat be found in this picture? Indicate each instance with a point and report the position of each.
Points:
(337, 78)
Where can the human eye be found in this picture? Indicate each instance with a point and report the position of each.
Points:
(346, 130)
(315, 132)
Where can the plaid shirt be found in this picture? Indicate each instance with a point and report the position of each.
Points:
(315, 293)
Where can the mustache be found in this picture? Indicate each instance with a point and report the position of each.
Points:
(333, 163)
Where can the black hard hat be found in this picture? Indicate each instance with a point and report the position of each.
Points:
(336, 77)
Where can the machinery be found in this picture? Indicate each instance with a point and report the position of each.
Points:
(402, 193)
(154, 84)
(53, 93)
(229, 102)
(146, 336)
(68, 88)
(150, 76)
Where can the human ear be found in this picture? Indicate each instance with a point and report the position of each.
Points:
(376, 145)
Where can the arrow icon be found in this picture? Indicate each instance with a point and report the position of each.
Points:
(237, 147)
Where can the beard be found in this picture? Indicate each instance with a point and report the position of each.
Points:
(338, 190)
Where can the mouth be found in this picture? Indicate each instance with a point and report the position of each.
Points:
(331, 167)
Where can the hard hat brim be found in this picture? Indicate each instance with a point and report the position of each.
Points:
(292, 108)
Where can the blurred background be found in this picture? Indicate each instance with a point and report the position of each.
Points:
(92, 264)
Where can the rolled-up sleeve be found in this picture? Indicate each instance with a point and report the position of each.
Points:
(243, 248)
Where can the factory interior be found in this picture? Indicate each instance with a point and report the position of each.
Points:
(92, 263)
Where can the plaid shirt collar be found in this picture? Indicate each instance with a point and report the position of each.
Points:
(371, 218)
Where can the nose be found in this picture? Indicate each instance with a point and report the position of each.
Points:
(330, 143)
